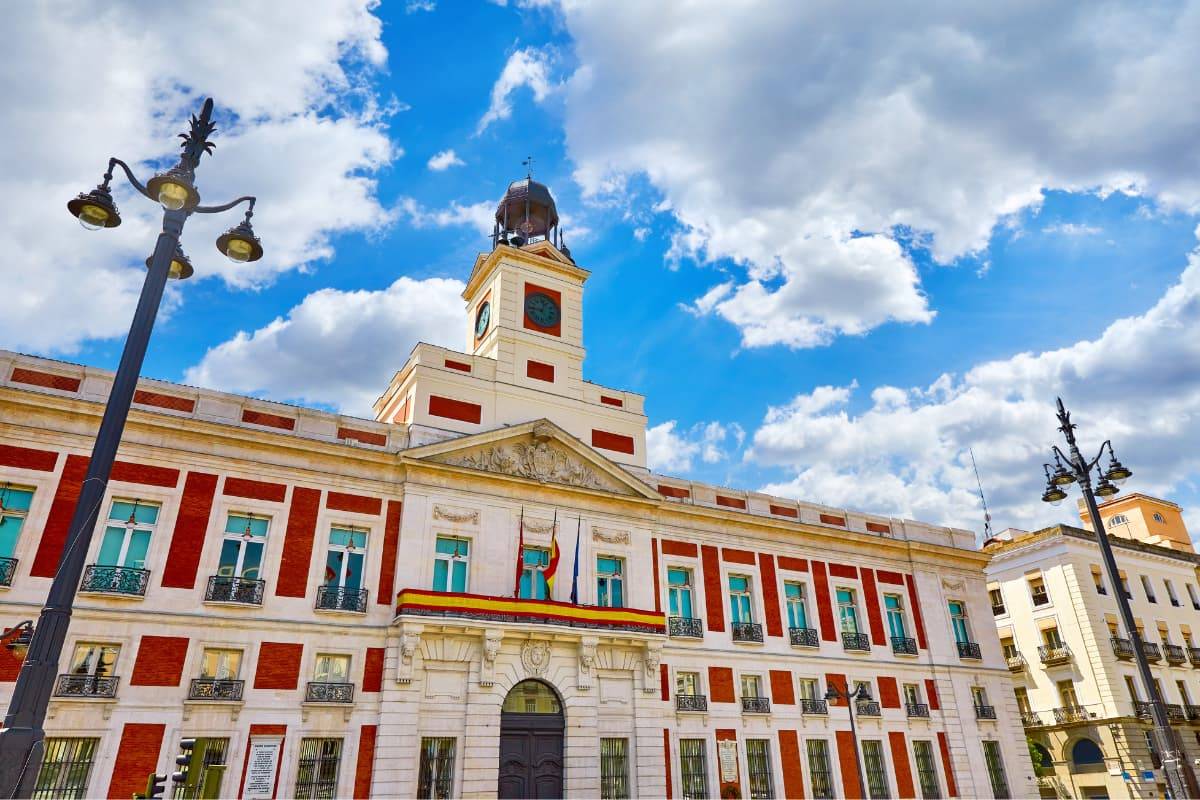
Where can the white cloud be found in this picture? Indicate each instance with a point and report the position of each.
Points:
(525, 68)
(413, 6)
(481, 215)
(444, 160)
(337, 348)
(671, 450)
(1072, 229)
(906, 453)
(295, 126)
(794, 138)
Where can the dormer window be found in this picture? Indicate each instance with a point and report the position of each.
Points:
(1119, 519)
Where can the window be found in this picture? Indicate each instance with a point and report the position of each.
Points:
(679, 592)
(317, 775)
(848, 610)
(332, 668)
(797, 609)
(693, 772)
(979, 696)
(66, 767)
(687, 683)
(534, 561)
(1010, 648)
(344, 563)
(995, 768)
(14, 505)
(242, 547)
(1131, 687)
(740, 607)
(614, 769)
(1066, 694)
(436, 778)
(1159, 518)
(758, 767)
(451, 559)
(1119, 519)
(1037, 591)
(1051, 638)
(877, 786)
(127, 536)
(809, 689)
(926, 770)
(1174, 598)
(1184, 695)
(1125, 586)
(1085, 752)
(752, 686)
(221, 664)
(1191, 590)
(819, 769)
(610, 582)
(1022, 695)
(205, 770)
(1098, 580)
(912, 694)
(1148, 589)
(997, 598)
(94, 659)
(894, 605)
(958, 621)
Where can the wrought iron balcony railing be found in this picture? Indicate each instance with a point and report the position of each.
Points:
(1016, 663)
(691, 702)
(115, 580)
(747, 632)
(227, 589)
(1143, 709)
(904, 645)
(857, 642)
(1175, 713)
(685, 628)
(1175, 653)
(1030, 719)
(969, 650)
(985, 712)
(808, 706)
(1054, 655)
(215, 689)
(756, 705)
(867, 708)
(1122, 648)
(8, 568)
(1068, 714)
(339, 598)
(322, 692)
(1192, 712)
(1151, 651)
(71, 685)
(803, 637)
(916, 709)
(1194, 656)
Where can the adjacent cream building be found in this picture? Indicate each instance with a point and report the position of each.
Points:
(334, 607)
(1076, 682)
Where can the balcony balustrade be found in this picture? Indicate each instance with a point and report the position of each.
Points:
(472, 608)
(904, 645)
(685, 628)
(1175, 713)
(1175, 654)
(867, 708)
(808, 706)
(1143, 709)
(969, 650)
(803, 637)
(215, 689)
(71, 685)
(985, 712)
(1122, 648)
(756, 705)
(691, 702)
(1194, 656)
(1071, 714)
(1052, 656)
(1151, 651)
(747, 632)
(8, 568)
(323, 692)
(227, 589)
(856, 642)
(339, 598)
(1192, 712)
(1031, 719)
(1016, 663)
(916, 709)
(115, 580)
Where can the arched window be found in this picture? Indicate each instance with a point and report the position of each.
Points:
(1044, 763)
(1119, 519)
(1159, 518)
(532, 697)
(1086, 752)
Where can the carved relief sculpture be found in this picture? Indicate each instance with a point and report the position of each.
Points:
(651, 661)
(587, 661)
(535, 657)
(491, 648)
(610, 536)
(537, 461)
(456, 514)
(410, 639)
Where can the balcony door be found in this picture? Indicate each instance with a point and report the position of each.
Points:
(531, 743)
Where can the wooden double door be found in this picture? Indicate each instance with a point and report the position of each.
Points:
(531, 756)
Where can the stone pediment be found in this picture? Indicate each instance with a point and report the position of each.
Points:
(538, 451)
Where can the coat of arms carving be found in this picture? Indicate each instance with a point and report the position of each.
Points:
(539, 461)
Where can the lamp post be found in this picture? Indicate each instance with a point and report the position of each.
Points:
(1071, 467)
(21, 745)
(834, 693)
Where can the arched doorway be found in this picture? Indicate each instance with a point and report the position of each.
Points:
(531, 742)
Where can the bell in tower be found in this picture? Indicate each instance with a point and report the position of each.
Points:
(527, 214)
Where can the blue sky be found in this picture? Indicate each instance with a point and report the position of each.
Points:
(834, 250)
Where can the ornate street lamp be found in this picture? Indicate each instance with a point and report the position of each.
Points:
(175, 190)
(1181, 782)
(833, 693)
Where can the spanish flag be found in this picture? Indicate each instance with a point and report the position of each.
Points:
(551, 569)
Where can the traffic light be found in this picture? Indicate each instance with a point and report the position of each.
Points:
(155, 785)
(183, 761)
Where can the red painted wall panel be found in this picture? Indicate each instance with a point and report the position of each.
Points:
(146, 474)
(720, 685)
(904, 778)
(843, 571)
(366, 437)
(830, 519)
(268, 420)
(670, 547)
(836, 680)
(731, 788)
(365, 767)
(33, 377)
(731, 502)
(770, 588)
(793, 564)
(298, 543)
(674, 491)
(254, 490)
(373, 670)
(848, 763)
(145, 398)
(458, 365)
(667, 760)
(612, 401)
(556, 296)
(617, 442)
(27, 458)
(10, 665)
(278, 665)
(931, 693)
(354, 503)
(713, 600)
(391, 546)
(664, 682)
(737, 556)
(654, 566)
(889, 692)
(915, 603)
(449, 408)
(58, 521)
(874, 615)
(785, 511)
(159, 661)
(887, 576)
(137, 757)
(947, 766)
(878, 527)
(824, 606)
(789, 758)
(191, 525)
(539, 371)
(783, 693)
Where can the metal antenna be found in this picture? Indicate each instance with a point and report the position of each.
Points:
(528, 164)
(987, 518)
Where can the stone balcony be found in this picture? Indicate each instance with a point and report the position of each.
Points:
(483, 610)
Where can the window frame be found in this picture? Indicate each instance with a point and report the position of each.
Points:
(965, 618)
(926, 764)
(675, 592)
(66, 768)
(746, 596)
(800, 600)
(851, 606)
(317, 762)
(691, 779)
(897, 612)
(826, 789)
(243, 542)
(436, 782)
(221, 651)
(112, 523)
(614, 778)
(330, 658)
(111, 669)
(535, 587)
(452, 560)
(760, 782)
(347, 550)
(17, 514)
(875, 769)
(605, 582)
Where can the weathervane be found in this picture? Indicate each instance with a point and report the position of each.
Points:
(528, 164)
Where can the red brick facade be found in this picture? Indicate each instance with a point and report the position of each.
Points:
(904, 778)
(27, 458)
(278, 665)
(137, 757)
(54, 535)
(373, 670)
(191, 526)
(714, 607)
(366, 761)
(254, 490)
(159, 661)
(298, 543)
(391, 544)
(789, 757)
(354, 503)
(720, 685)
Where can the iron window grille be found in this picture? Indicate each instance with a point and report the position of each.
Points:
(747, 632)
(66, 767)
(813, 706)
(1040, 598)
(212, 754)
(115, 580)
(803, 637)
(1122, 648)
(867, 708)
(72, 685)
(436, 777)
(215, 689)
(317, 773)
(686, 627)
(691, 702)
(904, 645)
(985, 712)
(339, 598)
(820, 770)
(926, 770)
(858, 642)
(877, 787)
(758, 769)
(8, 568)
(322, 692)
(227, 589)
(693, 772)
(995, 768)
(614, 769)
(969, 650)
(916, 709)
(756, 705)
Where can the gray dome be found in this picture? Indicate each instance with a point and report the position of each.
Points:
(528, 209)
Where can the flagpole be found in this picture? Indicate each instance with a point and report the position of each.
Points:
(520, 553)
(575, 571)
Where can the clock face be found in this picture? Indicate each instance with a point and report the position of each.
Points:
(482, 319)
(542, 310)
